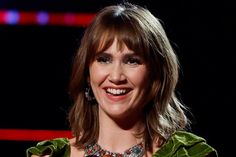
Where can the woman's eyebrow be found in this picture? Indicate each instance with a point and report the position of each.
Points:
(127, 54)
(132, 54)
(106, 54)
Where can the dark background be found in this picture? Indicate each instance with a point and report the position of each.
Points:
(35, 65)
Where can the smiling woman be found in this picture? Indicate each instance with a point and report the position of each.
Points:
(118, 79)
(123, 87)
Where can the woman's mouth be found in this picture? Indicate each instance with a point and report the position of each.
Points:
(117, 91)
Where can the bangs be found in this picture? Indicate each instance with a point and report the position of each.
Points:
(126, 33)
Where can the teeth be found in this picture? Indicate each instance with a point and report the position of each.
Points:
(116, 91)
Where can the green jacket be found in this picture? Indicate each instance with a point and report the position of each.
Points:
(180, 144)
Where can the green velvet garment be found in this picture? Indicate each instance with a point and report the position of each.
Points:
(180, 144)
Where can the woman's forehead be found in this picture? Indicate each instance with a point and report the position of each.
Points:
(106, 42)
(117, 47)
(122, 38)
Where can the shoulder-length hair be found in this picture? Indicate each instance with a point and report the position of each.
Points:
(143, 33)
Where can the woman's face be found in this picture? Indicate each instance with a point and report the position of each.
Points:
(118, 78)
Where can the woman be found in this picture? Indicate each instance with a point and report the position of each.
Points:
(123, 82)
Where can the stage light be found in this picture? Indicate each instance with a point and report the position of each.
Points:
(14, 17)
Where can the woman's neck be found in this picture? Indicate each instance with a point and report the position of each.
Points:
(119, 135)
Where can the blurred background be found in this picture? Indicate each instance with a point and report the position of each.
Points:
(39, 38)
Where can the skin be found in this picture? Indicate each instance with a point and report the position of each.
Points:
(118, 77)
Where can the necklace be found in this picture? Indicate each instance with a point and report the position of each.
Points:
(95, 150)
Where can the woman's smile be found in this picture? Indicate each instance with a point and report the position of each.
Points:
(117, 94)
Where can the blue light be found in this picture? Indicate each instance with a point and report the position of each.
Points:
(12, 17)
(42, 18)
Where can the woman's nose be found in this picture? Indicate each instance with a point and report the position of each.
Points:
(117, 75)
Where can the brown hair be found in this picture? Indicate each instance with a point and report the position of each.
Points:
(141, 32)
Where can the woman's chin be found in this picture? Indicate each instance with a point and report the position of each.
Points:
(118, 114)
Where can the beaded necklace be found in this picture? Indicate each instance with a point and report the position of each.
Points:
(95, 150)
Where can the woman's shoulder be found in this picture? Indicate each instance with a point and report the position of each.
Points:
(183, 143)
(59, 146)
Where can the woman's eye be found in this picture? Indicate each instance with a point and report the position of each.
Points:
(133, 61)
(103, 59)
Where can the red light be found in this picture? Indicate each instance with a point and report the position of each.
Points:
(32, 135)
(53, 18)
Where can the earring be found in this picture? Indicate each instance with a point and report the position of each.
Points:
(88, 94)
